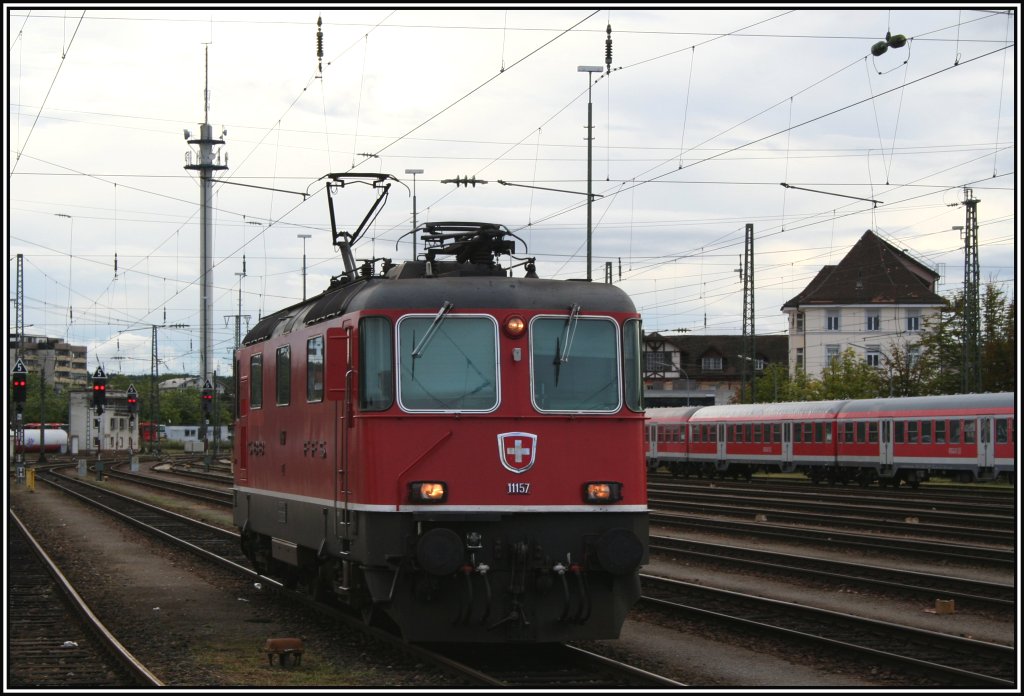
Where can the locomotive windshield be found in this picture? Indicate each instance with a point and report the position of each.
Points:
(585, 378)
(455, 369)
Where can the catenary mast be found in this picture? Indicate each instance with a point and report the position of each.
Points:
(207, 164)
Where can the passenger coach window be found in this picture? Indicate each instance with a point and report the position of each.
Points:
(376, 372)
(283, 375)
(1002, 431)
(575, 364)
(448, 363)
(315, 369)
(256, 381)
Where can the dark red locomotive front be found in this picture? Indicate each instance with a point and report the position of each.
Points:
(449, 447)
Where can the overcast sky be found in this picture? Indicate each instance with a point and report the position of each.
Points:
(704, 114)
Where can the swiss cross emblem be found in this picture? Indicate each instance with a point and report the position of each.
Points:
(517, 451)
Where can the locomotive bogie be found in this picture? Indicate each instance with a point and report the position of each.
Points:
(486, 577)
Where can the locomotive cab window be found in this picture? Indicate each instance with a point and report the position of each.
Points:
(376, 373)
(256, 380)
(575, 364)
(448, 363)
(631, 352)
(283, 375)
(315, 369)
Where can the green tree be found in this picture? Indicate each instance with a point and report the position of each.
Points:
(942, 346)
(998, 341)
(850, 377)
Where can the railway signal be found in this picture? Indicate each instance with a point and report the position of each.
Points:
(207, 398)
(19, 382)
(99, 388)
(133, 399)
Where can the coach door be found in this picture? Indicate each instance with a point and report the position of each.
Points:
(986, 457)
(885, 443)
(338, 382)
(787, 444)
(652, 440)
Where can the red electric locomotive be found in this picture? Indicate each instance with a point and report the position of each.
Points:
(447, 447)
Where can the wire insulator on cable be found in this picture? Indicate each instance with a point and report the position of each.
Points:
(608, 50)
(319, 45)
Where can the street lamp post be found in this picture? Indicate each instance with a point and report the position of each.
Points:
(303, 237)
(590, 156)
(414, 172)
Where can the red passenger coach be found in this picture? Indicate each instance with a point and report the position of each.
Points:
(738, 439)
(967, 437)
(447, 448)
(667, 439)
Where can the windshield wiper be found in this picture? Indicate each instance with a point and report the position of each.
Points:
(570, 331)
(562, 346)
(434, 325)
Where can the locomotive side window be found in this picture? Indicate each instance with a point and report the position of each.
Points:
(575, 364)
(283, 376)
(631, 352)
(448, 363)
(315, 369)
(256, 380)
(376, 373)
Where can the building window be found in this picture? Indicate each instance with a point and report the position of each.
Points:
(800, 322)
(913, 355)
(874, 356)
(874, 321)
(799, 357)
(913, 321)
(832, 321)
(759, 364)
(711, 363)
(658, 361)
(831, 354)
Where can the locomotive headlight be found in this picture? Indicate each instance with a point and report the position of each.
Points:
(428, 492)
(514, 326)
(602, 492)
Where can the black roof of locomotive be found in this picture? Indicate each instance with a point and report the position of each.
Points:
(399, 291)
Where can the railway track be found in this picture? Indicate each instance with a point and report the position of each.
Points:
(874, 543)
(992, 510)
(924, 585)
(547, 666)
(992, 492)
(54, 640)
(944, 658)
